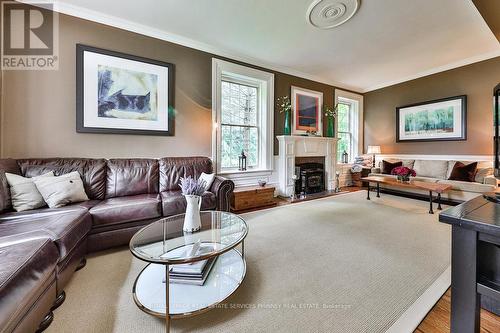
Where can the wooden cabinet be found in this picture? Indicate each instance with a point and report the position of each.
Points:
(253, 197)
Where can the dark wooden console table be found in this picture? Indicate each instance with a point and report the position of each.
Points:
(475, 262)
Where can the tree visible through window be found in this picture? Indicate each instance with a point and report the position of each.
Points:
(344, 127)
(239, 124)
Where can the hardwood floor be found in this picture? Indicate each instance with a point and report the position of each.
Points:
(438, 319)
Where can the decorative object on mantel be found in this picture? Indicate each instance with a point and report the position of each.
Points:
(403, 173)
(373, 150)
(330, 114)
(438, 120)
(345, 157)
(123, 94)
(306, 105)
(285, 106)
(192, 190)
(242, 162)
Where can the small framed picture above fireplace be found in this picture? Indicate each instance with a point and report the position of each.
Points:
(306, 105)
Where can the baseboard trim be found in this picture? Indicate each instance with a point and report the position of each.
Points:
(414, 315)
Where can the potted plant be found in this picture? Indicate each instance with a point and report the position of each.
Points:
(192, 190)
(285, 106)
(403, 173)
(330, 114)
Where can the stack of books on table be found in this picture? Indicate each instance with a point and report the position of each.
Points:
(195, 273)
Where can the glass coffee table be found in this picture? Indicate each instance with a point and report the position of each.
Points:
(163, 243)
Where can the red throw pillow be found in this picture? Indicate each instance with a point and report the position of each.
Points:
(388, 166)
(462, 172)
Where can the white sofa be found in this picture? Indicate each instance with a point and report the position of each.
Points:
(438, 171)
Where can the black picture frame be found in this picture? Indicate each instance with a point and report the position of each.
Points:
(80, 98)
(462, 137)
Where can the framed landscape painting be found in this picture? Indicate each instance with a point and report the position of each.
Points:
(306, 106)
(123, 94)
(439, 120)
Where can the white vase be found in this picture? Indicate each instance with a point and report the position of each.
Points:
(192, 220)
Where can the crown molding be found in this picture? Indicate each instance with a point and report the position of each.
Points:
(116, 22)
(453, 65)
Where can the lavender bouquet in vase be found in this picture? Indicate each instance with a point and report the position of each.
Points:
(192, 190)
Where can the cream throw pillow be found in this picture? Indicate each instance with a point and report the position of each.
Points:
(23, 192)
(62, 190)
(208, 178)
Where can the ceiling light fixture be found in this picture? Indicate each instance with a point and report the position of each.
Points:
(327, 14)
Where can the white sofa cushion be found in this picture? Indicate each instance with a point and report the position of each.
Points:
(62, 190)
(23, 192)
(431, 168)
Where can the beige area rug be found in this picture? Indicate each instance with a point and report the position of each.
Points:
(338, 264)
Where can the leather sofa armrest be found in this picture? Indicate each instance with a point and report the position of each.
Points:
(375, 170)
(491, 180)
(223, 190)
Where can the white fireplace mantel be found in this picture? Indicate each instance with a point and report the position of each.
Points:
(292, 146)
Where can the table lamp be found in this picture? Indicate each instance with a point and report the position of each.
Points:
(373, 150)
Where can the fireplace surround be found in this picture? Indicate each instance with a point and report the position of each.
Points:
(293, 148)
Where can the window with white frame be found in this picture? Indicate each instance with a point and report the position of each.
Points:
(349, 124)
(243, 116)
(345, 129)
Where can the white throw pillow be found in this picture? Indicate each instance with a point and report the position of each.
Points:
(208, 178)
(23, 192)
(62, 190)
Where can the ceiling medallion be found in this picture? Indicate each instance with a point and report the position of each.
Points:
(326, 14)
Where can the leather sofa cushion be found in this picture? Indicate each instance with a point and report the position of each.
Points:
(126, 209)
(27, 270)
(173, 202)
(173, 168)
(468, 186)
(131, 177)
(6, 165)
(92, 171)
(431, 168)
(66, 227)
(49, 211)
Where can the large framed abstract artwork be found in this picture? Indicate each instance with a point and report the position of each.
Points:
(123, 94)
(306, 106)
(439, 120)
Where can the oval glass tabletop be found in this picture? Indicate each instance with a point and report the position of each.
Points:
(165, 242)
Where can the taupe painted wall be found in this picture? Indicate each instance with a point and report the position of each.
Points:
(39, 106)
(476, 81)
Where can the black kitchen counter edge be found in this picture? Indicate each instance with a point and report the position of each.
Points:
(478, 214)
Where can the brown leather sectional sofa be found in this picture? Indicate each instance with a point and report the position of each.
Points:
(40, 249)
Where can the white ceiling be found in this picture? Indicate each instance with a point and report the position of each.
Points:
(386, 42)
